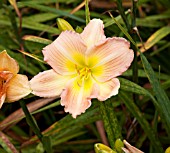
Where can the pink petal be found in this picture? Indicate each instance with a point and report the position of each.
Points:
(77, 97)
(93, 32)
(65, 53)
(18, 88)
(125, 150)
(48, 84)
(108, 89)
(7, 63)
(131, 148)
(113, 57)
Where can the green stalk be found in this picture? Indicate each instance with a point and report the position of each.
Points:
(87, 11)
(122, 13)
(33, 125)
(111, 124)
(134, 8)
(132, 32)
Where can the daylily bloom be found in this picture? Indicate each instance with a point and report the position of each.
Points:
(13, 86)
(84, 66)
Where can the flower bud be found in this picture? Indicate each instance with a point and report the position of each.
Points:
(118, 145)
(64, 25)
(167, 150)
(101, 148)
(79, 29)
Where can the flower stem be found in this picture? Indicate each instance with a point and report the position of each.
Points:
(87, 11)
(132, 32)
(33, 125)
(111, 124)
(122, 13)
(134, 8)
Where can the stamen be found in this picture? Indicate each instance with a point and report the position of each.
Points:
(1, 83)
(77, 69)
(2, 87)
(84, 74)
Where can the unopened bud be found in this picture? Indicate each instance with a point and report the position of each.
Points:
(101, 148)
(79, 29)
(167, 150)
(64, 25)
(118, 145)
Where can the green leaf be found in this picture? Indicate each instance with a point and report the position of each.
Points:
(40, 27)
(162, 98)
(156, 37)
(129, 86)
(68, 134)
(23, 3)
(109, 22)
(148, 23)
(142, 74)
(37, 39)
(47, 143)
(34, 126)
(143, 122)
(41, 17)
(68, 128)
(133, 87)
(32, 25)
(124, 31)
(162, 102)
(111, 123)
(140, 2)
(53, 10)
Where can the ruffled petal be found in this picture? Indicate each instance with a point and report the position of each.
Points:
(130, 148)
(93, 32)
(108, 89)
(18, 88)
(66, 53)
(77, 96)
(112, 58)
(7, 63)
(48, 83)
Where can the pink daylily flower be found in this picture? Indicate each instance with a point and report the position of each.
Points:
(84, 66)
(13, 86)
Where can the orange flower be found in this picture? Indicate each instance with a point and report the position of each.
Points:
(13, 86)
(84, 66)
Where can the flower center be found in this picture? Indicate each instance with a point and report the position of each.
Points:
(5, 77)
(2, 82)
(83, 74)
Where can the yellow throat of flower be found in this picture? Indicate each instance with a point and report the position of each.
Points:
(83, 75)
